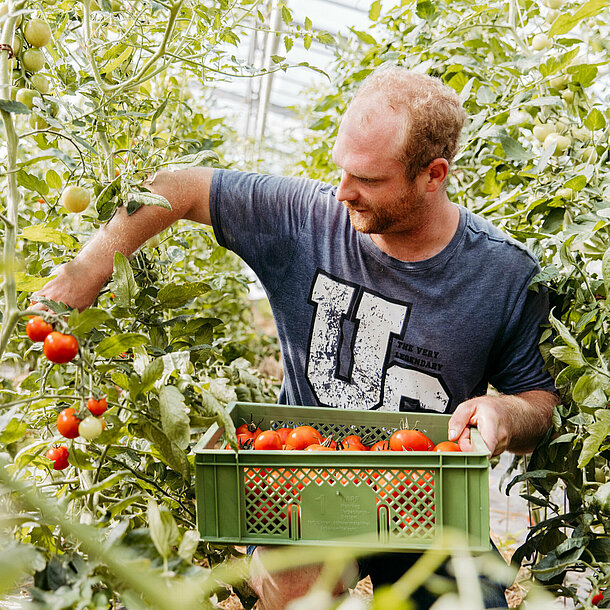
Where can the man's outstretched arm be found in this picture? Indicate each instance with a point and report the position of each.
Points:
(78, 282)
(506, 422)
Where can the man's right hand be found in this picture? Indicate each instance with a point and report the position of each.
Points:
(78, 283)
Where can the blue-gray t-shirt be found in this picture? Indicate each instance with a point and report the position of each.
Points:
(361, 329)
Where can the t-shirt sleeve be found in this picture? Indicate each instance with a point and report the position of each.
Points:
(518, 365)
(259, 217)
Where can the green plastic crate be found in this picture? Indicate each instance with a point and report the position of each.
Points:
(378, 500)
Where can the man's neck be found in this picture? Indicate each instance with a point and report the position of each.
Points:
(424, 240)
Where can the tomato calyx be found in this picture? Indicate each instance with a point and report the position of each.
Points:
(250, 426)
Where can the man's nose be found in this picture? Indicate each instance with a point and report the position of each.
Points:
(346, 190)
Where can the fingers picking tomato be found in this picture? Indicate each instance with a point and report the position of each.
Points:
(60, 348)
(67, 423)
(37, 329)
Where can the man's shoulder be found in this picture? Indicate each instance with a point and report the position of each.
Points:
(486, 234)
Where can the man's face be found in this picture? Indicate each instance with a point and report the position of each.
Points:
(373, 185)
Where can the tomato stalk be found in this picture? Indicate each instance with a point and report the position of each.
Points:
(10, 311)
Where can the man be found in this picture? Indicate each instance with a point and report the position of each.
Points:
(385, 294)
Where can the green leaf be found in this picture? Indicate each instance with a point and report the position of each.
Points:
(212, 408)
(583, 74)
(597, 432)
(145, 198)
(32, 183)
(53, 180)
(425, 9)
(173, 296)
(106, 203)
(123, 283)
(193, 160)
(14, 431)
(286, 15)
(151, 374)
(585, 386)
(167, 451)
(568, 354)
(188, 545)
(47, 235)
(14, 107)
(577, 183)
(375, 10)
(89, 319)
(513, 149)
(367, 38)
(594, 120)
(606, 270)
(564, 23)
(163, 528)
(30, 283)
(174, 416)
(117, 344)
(117, 62)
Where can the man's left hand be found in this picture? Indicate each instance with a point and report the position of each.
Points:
(506, 422)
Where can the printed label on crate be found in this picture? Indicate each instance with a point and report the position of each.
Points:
(329, 511)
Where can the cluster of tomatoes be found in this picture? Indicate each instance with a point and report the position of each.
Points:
(57, 347)
(70, 424)
(250, 436)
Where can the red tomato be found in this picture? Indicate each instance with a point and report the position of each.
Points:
(381, 446)
(269, 440)
(410, 440)
(447, 446)
(318, 447)
(97, 407)
(598, 597)
(284, 432)
(303, 436)
(67, 423)
(59, 457)
(37, 329)
(251, 427)
(60, 348)
(354, 443)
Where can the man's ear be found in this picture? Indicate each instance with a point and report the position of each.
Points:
(437, 172)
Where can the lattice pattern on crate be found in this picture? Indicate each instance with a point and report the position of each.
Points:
(368, 434)
(405, 498)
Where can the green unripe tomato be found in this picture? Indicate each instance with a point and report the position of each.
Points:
(540, 42)
(38, 122)
(543, 130)
(17, 44)
(561, 143)
(90, 428)
(559, 82)
(27, 97)
(33, 60)
(75, 198)
(37, 32)
(40, 83)
(565, 193)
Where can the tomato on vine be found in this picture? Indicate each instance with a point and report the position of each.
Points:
(37, 329)
(67, 423)
(60, 348)
(90, 428)
(97, 407)
(59, 456)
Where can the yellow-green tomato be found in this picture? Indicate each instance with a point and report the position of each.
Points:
(27, 96)
(543, 130)
(561, 142)
(40, 83)
(37, 32)
(565, 193)
(90, 428)
(33, 60)
(17, 44)
(540, 42)
(75, 198)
